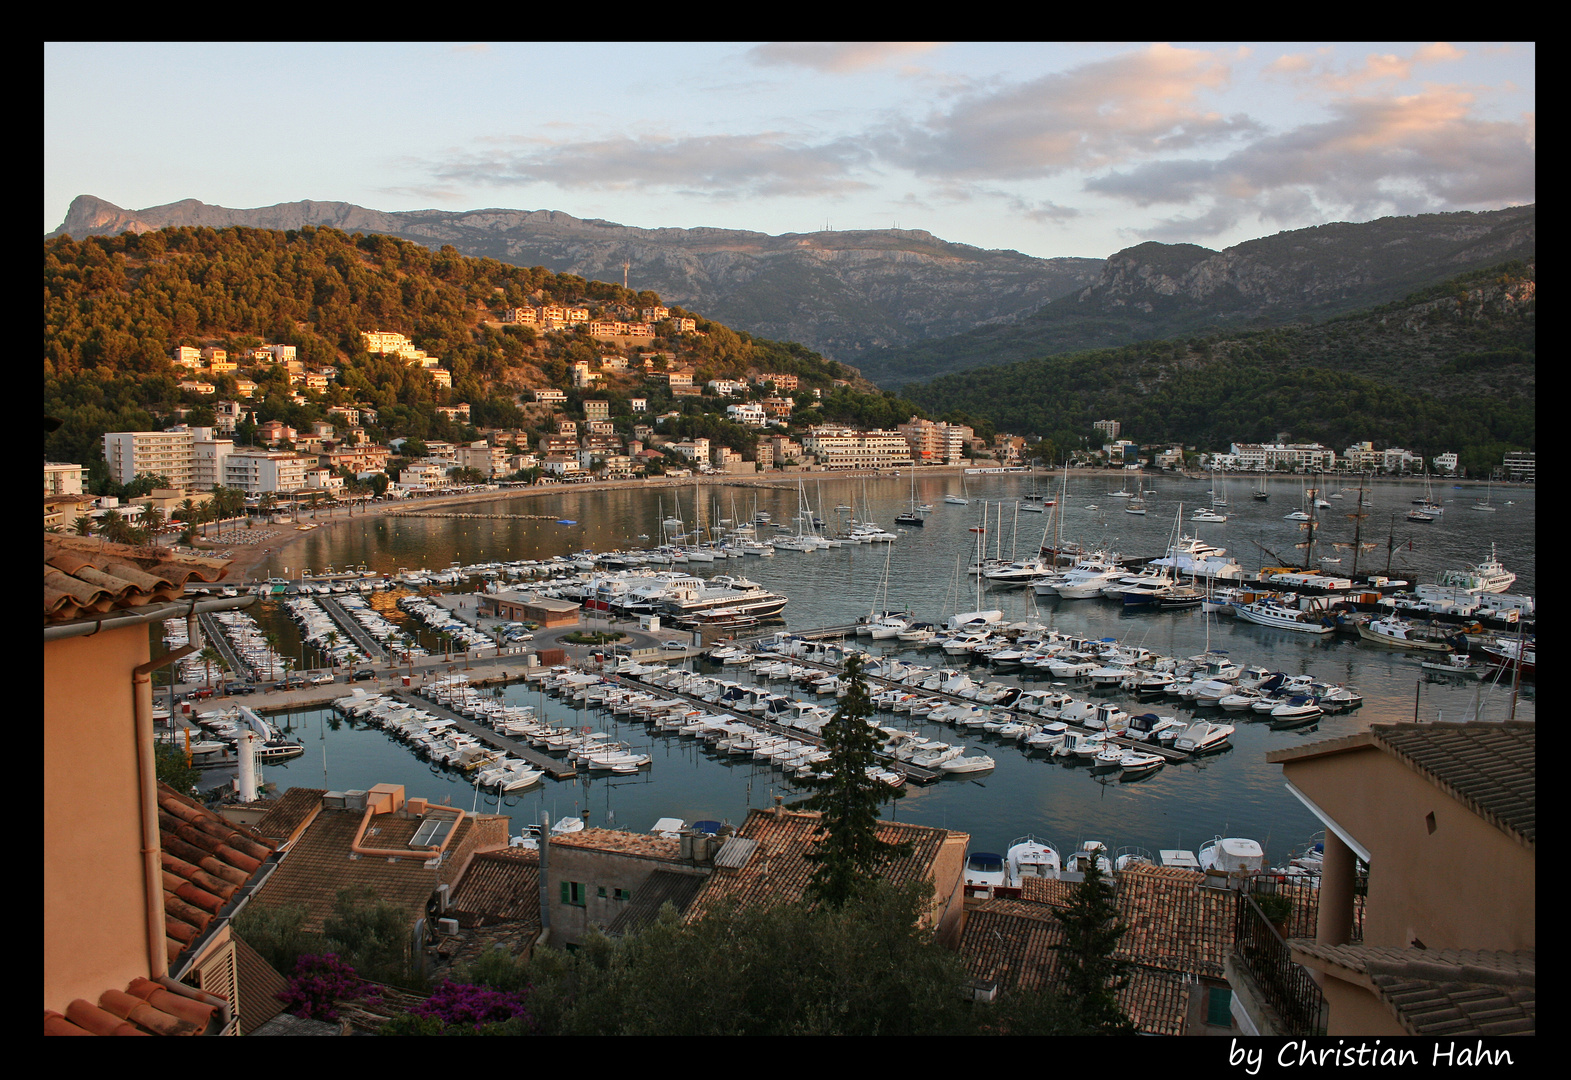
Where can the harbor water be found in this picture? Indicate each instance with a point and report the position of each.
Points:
(1232, 793)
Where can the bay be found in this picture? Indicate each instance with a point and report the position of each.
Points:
(1233, 793)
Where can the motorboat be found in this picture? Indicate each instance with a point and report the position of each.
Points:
(985, 869)
(1135, 763)
(1488, 576)
(1031, 858)
(1204, 737)
(1089, 852)
(1232, 857)
(1269, 611)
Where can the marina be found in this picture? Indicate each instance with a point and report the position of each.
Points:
(1181, 804)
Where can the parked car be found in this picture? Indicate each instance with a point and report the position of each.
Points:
(325, 677)
(362, 675)
(673, 645)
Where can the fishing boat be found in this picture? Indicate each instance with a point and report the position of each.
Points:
(1401, 634)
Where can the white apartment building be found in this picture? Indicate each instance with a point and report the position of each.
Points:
(551, 395)
(62, 479)
(1364, 456)
(1445, 462)
(1283, 456)
(208, 454)
(160, 453)
(425, 474)
(256, 471)
(186, 356)
(846, 448)
(750, 413)
(695, 450)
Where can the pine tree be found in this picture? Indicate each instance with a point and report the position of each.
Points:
(1090, 978)
(849, 850)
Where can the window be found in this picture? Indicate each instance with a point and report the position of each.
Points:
(600, 893)
(1219, 1007)
(574, 893)
(623, 894)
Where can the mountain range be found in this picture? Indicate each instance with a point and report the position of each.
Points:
(843, 294)
(905, 306)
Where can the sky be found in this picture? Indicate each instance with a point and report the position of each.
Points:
(1049, 149)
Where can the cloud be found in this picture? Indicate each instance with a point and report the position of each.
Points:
(837, 57)
(725, 166)
(1405, 154)
(1376, 69)
(1090, 117)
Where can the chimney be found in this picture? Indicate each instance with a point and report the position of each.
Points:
(779, 806)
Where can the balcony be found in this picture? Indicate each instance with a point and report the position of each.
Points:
(1287, 1001)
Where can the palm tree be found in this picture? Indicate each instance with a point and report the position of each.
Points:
(113, 526)
(83, 526)
(210, 656)
(332, 645)
(273, 656)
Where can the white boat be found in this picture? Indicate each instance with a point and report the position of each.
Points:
(1031, 858)
(1401, 634)
(1203, 736)
(1274, 613)
(1134, 763)
(1232, 856)
(1488, 576)
(985, 869)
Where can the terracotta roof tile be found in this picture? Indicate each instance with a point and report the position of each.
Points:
(621, 842)
(206, 861)
(499, 886)
(1489, 767)
(289, 813)
(778, 871)
(320, 863)
(143, 1008)
(1441, 992)
(1178, 931)
(84, 576)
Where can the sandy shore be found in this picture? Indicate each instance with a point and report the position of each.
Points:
(245, 558)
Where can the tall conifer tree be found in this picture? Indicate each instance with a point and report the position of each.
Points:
(849, 850)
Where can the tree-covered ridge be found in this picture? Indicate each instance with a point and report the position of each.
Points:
(116, 307)
(1155, 290)
(1449, 368)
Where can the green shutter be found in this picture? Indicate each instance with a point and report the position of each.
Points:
(565, 900)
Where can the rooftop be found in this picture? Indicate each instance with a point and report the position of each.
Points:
(1178, 931)
(623, 843)
(321, 862)
(777, 871)
(86, 577)
(1439, 992)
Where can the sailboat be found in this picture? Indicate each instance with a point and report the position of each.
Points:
(1137, 505)
(911, 517)
(961, 499)
(1487, 505)
(1261, 495)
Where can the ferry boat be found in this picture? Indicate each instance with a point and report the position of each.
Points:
(1488, 576)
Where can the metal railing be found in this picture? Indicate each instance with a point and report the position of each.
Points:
(1285, 986)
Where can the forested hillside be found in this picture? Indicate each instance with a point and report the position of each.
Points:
(115, 307)
(1448, 368)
